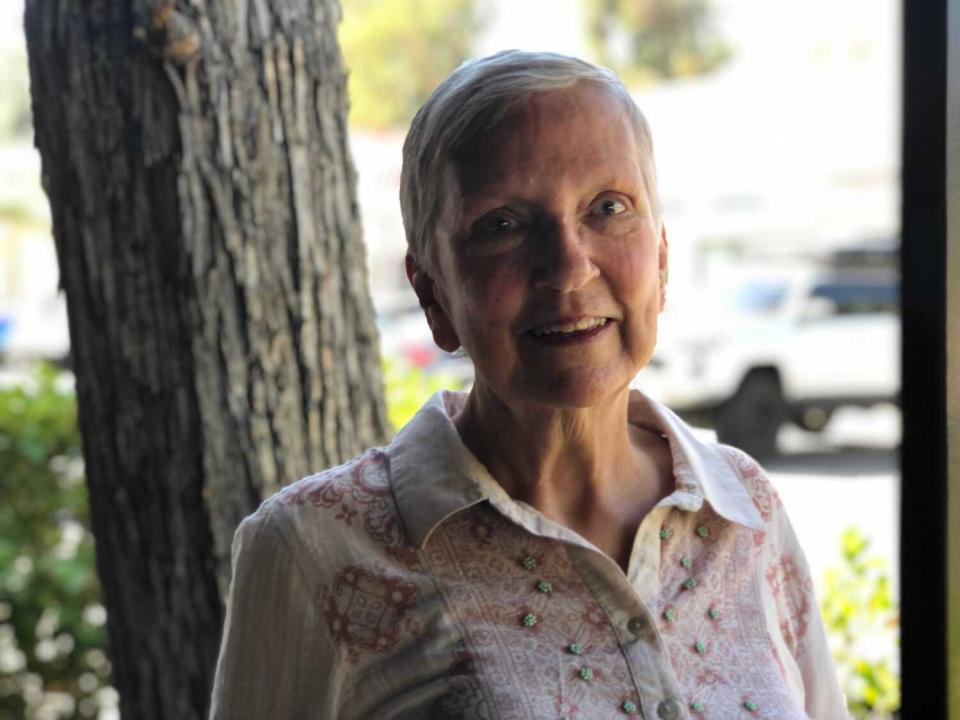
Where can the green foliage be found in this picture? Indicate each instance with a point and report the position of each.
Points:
(646, 41)
(398, 51)
(862, 621)
(52, 635)
(407, 388)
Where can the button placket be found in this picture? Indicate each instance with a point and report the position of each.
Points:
(641, 627)
(668, 709)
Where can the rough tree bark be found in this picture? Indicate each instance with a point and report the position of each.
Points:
(194, 153)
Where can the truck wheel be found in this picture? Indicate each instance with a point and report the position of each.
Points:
(751, 418)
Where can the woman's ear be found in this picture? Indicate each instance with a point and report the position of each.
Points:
(429, 294)
(663, 255)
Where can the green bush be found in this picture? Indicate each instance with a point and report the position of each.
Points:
(52, 634)
(408, 387)
(862, 621)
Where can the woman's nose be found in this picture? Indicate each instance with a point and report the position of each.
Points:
(564, 261)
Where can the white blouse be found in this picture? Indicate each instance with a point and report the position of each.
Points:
(406, 583)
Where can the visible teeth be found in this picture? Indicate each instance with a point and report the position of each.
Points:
(579, 326)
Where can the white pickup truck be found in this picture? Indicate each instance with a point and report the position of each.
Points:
(789, 345)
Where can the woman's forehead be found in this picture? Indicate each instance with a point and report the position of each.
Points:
(580, 129)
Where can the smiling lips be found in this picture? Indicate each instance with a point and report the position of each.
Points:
(587, 323)
(569, 331)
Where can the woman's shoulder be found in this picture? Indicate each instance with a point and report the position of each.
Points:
(358, 480)
(755, 481)
(347, 512)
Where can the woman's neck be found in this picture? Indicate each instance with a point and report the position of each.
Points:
(583, 467)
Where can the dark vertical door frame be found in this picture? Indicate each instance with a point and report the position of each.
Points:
(923, 511)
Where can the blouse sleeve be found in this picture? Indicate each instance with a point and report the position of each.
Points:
(793, 607)
(275, 656)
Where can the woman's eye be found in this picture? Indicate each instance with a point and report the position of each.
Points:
(607, 207)
(496, 224)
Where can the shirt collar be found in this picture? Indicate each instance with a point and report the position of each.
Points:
(434, 475)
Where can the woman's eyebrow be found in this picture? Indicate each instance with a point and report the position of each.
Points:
(484, 201)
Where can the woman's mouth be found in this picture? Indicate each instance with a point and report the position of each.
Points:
(567, 332)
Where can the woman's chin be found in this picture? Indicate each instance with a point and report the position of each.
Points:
(574, 389)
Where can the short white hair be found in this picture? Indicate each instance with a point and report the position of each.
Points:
(471, 102)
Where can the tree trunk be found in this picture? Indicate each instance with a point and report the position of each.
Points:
(223, 339)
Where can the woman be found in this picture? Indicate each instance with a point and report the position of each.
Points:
(550, 544)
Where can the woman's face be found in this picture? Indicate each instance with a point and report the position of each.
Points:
(552, 275)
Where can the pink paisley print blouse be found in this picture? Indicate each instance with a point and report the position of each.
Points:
(407, 584)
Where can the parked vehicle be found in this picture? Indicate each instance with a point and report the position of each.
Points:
(785, 345)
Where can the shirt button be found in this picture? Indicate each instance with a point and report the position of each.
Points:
(636, 625)
(668, 709)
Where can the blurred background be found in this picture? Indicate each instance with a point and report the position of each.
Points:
(776, 130)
